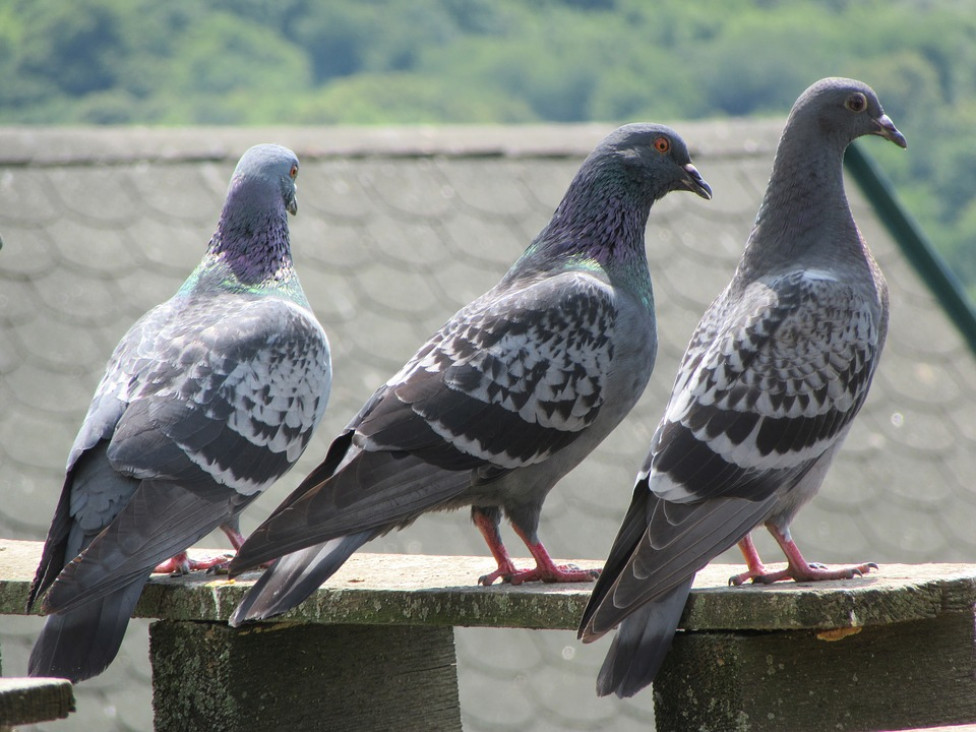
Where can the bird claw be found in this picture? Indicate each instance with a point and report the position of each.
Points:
(814, 572)
(738, 579)
(859, 570)
(181, 565)
(489, 579)
(555, 573)
(759, 578)
(221, 568)
(820, 572)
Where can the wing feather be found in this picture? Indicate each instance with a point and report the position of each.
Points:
(508, 382)
(768, 384)
(234, 390)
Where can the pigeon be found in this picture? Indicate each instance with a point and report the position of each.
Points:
(773, 376)
(207, 400)
(505, 399)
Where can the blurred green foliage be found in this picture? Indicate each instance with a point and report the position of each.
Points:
(429, 61)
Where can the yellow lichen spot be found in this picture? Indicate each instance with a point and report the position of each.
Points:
(836, 634)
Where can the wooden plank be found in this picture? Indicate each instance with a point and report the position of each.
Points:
(893, 677)
(208, 676)
(845, 654)
(28, 701)
(441, 590)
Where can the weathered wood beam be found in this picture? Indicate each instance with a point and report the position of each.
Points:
(891, 650)
(29, 701)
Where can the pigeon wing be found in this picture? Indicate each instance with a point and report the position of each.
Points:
(508, 382)
(215, 412)
(235, 394)
(769, 381)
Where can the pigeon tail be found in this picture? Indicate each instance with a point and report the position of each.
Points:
(81, 643)
(295, 576)
(159, 521)
(641, 644)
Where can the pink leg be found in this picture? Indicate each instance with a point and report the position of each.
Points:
(489, 530)
(753, 562)
(545, 569)
(182, 564)
(803, 571)
(548, 571)
(798, 569)
(235, 537)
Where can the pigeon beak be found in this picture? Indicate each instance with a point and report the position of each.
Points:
(887, 130)
(292, 204)
(695, 183)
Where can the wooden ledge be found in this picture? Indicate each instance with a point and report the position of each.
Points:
(905, 661)
(27, 701)
(401, 589)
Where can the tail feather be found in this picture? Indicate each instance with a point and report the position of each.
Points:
(81, 643)
(641, 644)
(295, 576)
(160, 520)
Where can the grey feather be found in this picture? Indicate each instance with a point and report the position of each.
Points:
(642, 643)
(207, 400)
(512, 392)
(776, 371)
(296, 576)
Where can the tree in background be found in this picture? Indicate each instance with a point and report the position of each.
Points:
(506, 61)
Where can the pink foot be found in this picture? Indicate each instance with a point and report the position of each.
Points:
(815, 573)
(182, 564)
(549, 573)
(756, 567)
(798, 568)
(545, 569)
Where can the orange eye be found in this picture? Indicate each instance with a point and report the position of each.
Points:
(856, 102)
(662, 144)
(294, 171)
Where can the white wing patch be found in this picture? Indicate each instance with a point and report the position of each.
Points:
(542, 353)
(260, 369)
(774, 372)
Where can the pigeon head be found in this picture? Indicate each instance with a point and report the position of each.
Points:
(266, 173)
(805, 195)
(652, 158)
(845, 109)
(604, 213)
(252, 234)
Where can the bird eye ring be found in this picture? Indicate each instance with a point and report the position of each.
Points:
(662, 144)
(856, 102)
(294, 171)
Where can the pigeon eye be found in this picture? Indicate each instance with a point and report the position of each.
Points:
(294, 171)
(856, 102)
(662, 144)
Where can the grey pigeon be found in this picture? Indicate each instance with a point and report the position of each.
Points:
(766, 392)
(505, 399)
(207, 400)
